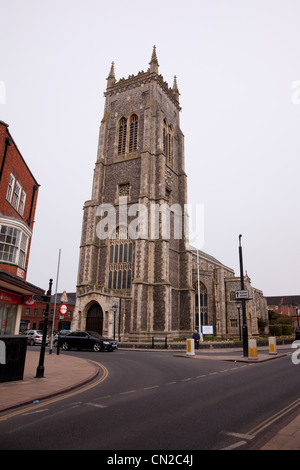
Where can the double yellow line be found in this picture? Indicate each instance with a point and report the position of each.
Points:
(60, 397)
(280, 414)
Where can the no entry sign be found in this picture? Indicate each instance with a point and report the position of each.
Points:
(63, 309)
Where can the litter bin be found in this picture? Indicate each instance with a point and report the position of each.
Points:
(12, 357)
(297, 334)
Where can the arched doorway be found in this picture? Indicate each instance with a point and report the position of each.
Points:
(94, 319)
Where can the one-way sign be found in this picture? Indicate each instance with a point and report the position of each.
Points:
(241, 294)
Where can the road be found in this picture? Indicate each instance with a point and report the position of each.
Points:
(159, 401)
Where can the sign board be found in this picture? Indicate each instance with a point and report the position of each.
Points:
(207, 329)
(64, 297)
(42, 298)
(241, 294)
(63, 309)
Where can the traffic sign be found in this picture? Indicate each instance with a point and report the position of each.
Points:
(64, 297)
(63, 309)
(241, 294)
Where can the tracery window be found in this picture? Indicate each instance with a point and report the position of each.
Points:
(120, 262)
(122, 136)
(203, 304)
(127, 144)
(133, 133)
(168, 141)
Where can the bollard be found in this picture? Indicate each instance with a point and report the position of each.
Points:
(190, 347)
(272, 345)
(252, 349)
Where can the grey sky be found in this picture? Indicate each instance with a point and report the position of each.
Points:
(235, 61)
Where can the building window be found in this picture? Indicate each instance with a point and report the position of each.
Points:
(232, 296)
(10, 188)
(120, 262)
(125, 146)
(16, 196)
(122, 136)
(133, 133)
(13, 246)
(22, 203)
(168, 141)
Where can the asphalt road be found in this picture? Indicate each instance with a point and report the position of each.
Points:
(157, 401)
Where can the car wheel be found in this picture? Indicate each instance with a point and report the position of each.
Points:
(97, 347)
(31, 342)
(65, 346)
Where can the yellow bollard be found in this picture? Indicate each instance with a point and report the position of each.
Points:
(190, 347)
(252, 354)
(272, 345)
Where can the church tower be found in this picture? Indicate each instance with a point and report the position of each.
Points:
(135, 272)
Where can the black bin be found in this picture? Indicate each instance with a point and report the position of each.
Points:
(297, 334)
(12, 357)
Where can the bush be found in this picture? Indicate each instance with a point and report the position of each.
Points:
(275, 330)
(286, 330)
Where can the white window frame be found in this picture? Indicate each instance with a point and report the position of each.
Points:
(22, 203)
(17, 195)
(10, 188)
(22, 244)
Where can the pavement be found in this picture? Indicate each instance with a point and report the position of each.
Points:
(64, 373)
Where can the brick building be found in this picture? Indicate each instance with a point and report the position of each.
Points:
(33, 315)
(18, 199)
(285, 305)
(137, 272)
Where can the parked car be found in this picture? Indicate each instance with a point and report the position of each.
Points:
(60, 333)
(35, 337)
(87, 340)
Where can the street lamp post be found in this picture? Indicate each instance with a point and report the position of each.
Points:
(114, 307)
(40, 369)
(239, 315)
(245, 328)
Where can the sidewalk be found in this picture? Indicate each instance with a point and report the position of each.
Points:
(62, 373)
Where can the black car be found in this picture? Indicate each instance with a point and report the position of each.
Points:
(87, 340)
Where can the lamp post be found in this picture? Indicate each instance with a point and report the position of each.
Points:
(245, 328)
(114, 307)
(40, 369)
(239, 315)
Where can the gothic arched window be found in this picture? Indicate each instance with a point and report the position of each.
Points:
(203, 304)
(168, 141)
(122, 136)
(120, 262)
(133, 133)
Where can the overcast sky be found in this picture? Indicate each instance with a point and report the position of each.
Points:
(237, 64)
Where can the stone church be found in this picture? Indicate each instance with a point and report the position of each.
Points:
(138, 276)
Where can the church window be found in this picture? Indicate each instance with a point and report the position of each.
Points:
(232, 296)
(203, 304)
(127, 144)
(122, 136)
(120, 262)
(168, 141)
(133, 133)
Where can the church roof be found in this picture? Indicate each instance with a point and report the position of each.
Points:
(284, 300)
(211, 258)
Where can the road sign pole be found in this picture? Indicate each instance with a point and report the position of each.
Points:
(40, 369)
(55, 299)
(244, 328)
